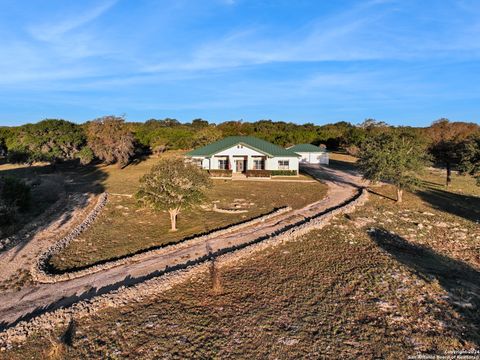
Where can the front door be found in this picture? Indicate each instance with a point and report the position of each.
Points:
(240, 166)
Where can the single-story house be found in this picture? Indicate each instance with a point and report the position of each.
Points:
(243, 153)
(310, 154)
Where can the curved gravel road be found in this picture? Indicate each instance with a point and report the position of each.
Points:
(37, 298)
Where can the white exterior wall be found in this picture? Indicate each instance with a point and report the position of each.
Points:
(242, 151)
(314, 157)
(236, 152)
(214, 162)
(205, 161)
(272, 163)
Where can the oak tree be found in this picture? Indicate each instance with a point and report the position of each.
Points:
(173, 185)
(470, 157)
(446, 142)
(111, 140)
(395, 157)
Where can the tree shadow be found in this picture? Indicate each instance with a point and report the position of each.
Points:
(345, 166)
(138, 159)
(57, 192)
(460, 280)
(465, 206)
(381, 195)
(333, 173)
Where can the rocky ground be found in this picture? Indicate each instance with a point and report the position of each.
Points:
(365, 286)
(386, 281)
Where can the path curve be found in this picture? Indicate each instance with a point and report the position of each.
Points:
(37, 298)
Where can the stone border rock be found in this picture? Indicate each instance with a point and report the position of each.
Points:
(158, 285)
(228, 211)
(37, 268)
(40, 275)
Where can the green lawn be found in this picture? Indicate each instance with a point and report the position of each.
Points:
(124, 227)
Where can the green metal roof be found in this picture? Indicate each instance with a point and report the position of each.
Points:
(249, 141)
(305, 148)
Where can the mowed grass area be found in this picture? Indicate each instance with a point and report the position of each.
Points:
(124, 227)
(386, 281)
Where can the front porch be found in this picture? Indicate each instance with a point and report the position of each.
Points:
(238, 164)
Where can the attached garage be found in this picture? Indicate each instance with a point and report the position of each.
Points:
(311, 154)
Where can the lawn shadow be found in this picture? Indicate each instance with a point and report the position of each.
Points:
(466, 206)
(137, 159)
(57, 192)
(460, 280)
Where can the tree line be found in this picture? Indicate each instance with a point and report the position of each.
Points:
(112, 139)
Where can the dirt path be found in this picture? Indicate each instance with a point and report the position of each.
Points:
(23, 255)
(37, 298)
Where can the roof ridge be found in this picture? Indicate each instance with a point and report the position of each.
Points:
(258, 144)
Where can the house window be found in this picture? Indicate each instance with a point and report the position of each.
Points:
(258, 164)
(283, 164)
(222, 164)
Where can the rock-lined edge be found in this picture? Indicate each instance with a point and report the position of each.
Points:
(153, 287)
(39, 274)
(37, 269)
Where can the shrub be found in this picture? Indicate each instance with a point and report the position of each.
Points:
(18, 157)
(14, 193)
(284, 173)
(14, 196)
(353, 150)
(258, 173)
(220, 173)
(85, 155)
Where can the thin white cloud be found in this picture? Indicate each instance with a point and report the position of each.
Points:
(51, 31)
(327, 39)
(368, 31)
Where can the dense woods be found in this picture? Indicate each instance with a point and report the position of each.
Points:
(452, 145)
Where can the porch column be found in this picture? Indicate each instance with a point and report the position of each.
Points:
(249, 163)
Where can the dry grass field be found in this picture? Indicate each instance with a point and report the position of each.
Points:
(386, 281)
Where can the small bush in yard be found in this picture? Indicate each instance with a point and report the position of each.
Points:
(258, 173)
(284, 173)
(220, 173)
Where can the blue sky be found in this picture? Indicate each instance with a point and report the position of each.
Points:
(404, 62)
